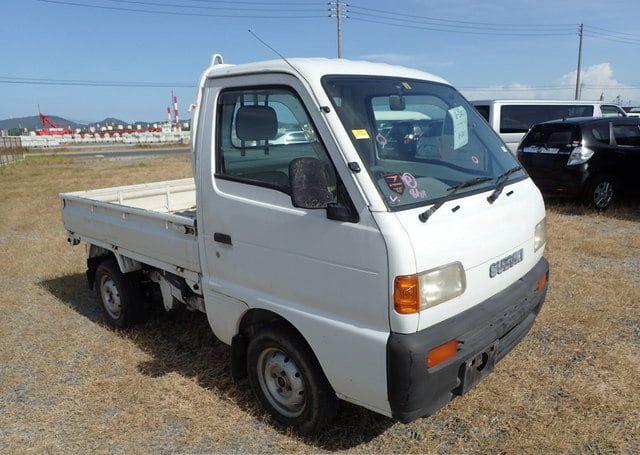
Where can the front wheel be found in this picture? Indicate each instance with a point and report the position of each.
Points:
(601, 193)
(288, 381)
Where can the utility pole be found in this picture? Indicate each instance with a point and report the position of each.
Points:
(339, 26)
(579, 63)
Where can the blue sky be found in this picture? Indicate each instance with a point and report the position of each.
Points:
(46, 40)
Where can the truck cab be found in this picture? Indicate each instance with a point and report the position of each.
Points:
(388, 256)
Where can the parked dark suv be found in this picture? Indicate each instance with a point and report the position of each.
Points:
(592, 158)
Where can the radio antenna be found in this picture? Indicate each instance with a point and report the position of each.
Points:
(275, 51)
(288, 63)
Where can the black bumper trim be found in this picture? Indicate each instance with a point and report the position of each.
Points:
(415, 391)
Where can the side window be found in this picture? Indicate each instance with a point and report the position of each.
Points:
(483, 111)
(520, 118)
(627, 135)
(611, 111)
(260, 131)
(600, 133)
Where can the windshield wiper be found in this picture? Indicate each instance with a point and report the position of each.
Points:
(424, 216)
(501, 181)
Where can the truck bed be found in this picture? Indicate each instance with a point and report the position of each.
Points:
(154, 223)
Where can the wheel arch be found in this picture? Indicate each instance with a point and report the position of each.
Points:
(95, 256)
(250, 323)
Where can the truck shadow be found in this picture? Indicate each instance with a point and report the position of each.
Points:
(183, 343)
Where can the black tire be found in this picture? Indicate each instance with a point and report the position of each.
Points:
(320, 402)
(123, 287)
(601, 193)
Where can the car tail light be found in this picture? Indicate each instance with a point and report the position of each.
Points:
(579, 155)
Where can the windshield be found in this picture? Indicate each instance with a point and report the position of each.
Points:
(417, 138)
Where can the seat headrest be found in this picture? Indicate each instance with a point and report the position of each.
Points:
(256, 123)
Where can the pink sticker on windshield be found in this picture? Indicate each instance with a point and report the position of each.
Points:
(409, 180)
(418, 194)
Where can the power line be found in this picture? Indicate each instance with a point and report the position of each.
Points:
(611, 38)
(472, 87)
(614, 32)
(595, 32)
(158, 84)
(86, 83)
(178, 13)
(233, 2)
(513, 89)
(552, 89)
(466, 32)
(502, 25)
(483, 28)
(224, 8)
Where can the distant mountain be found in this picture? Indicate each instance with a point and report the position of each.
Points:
(33, 122)
(108, 121)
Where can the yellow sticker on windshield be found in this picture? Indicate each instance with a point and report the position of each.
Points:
(360, 134)
(406, 85)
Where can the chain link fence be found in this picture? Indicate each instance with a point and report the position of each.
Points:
(11, 150)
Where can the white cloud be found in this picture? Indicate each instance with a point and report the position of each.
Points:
(595, 80)
(413, 60)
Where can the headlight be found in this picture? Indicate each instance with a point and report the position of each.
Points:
(579, 155)
(441, 284)
(414, 293)
(540, 234)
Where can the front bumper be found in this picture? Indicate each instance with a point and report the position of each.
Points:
(494, 326)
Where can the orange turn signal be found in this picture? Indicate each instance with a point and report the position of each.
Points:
(406, 294)
(441, 353)
(542, 282)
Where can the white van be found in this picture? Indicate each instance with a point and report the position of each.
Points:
(389, 259)
(511, 119)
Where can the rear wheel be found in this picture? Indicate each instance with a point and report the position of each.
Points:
(119, 293)
(288, 381)
(601, 193)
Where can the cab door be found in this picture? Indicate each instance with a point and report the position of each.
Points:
(327, 278)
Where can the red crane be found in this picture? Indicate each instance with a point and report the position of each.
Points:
(49, 128)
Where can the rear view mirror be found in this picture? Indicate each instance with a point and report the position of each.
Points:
(308, 183)
(397, 103)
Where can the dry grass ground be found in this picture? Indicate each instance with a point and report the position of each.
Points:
(68, 383)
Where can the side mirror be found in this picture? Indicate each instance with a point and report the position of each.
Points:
(308, 183)
(397, 103)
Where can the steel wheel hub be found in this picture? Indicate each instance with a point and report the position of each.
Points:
(603, 194)
(281, 382)
(110, 297)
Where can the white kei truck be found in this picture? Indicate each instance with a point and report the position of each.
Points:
(388, 256)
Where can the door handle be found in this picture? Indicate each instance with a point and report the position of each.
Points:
(222, 238)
